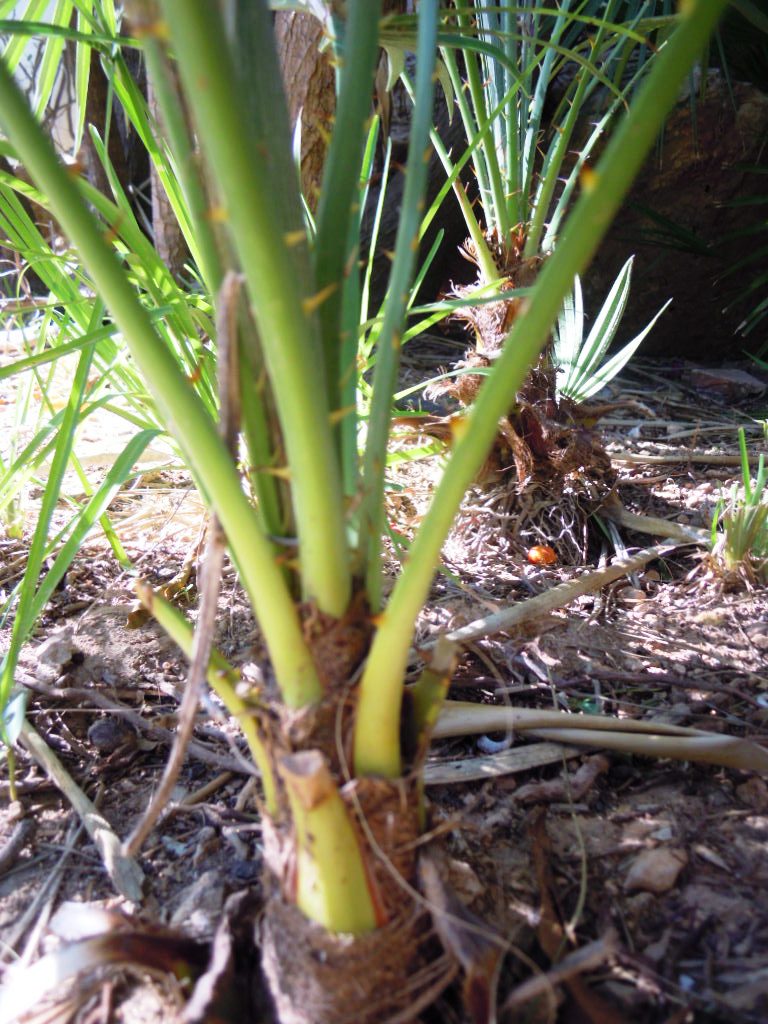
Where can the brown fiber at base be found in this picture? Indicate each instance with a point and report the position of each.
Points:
(319, 978)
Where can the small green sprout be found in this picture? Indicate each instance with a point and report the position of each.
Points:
(580, 370)
(740, 524)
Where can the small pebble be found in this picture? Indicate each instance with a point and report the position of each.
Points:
(57, 650)
(655, 870)
(108, 734)
(754, 793)
(245, 871)
(15, 811)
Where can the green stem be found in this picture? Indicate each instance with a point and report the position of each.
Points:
(471, 116)
(169, 102)
(341, 185)
(372, 515)
(377, 746)
(180, 407)
(551, 174)
(515, 201)
(497, 201)
(485, 261)
(269, 243)
(332, 886)
(205, 247)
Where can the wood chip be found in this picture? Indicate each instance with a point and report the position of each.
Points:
(508, 762)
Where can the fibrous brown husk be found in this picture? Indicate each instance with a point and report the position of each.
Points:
(545, 437)
(317, 977)
(338, 648)
(562, 470)
(492, 321)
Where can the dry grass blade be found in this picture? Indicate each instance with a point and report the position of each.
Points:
(125, 874)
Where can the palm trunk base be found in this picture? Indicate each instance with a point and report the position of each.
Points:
(316, 977)
(319, 977)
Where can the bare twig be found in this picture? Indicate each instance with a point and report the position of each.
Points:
(210, 580)
(671, 457)
(11, 850)
(209, 788)
(210, 576)
(569, 788)
(556, 597)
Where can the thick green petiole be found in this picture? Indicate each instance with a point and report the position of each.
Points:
(181, 409)
(340, 186)
(332, 884)
(372, 515)
(255, 205)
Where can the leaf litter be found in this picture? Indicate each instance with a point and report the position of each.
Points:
(632, 888)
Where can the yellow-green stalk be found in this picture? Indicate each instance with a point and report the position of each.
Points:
(270, 243)
(222, 678)
(332, 885)
(181, 409)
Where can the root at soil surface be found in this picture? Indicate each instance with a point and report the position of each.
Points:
(498, 523)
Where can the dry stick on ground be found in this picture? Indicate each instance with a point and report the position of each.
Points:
(556, 597)
(678, 455)
(10, 850)
(210, 576)
(210, 579)
(613, 509)
(630, 736)
(460, 719)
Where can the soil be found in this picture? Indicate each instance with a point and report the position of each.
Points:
(656, 871)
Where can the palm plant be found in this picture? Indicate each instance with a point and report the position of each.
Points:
(338, 738)
(739, 534)
(578, 361)
(538, 89)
